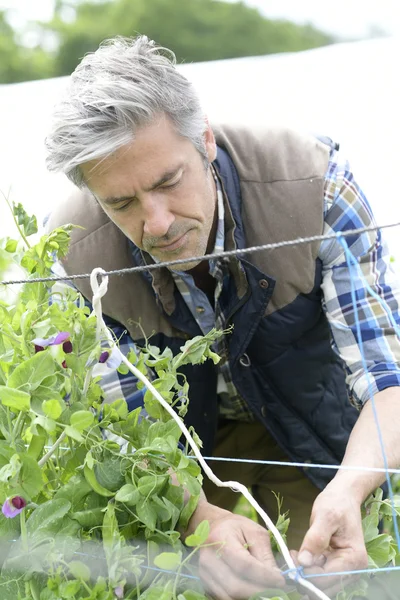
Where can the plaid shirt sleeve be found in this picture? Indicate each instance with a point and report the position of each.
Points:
(116, 385)
(347, 208)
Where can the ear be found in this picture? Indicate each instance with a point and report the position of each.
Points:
(210, 143)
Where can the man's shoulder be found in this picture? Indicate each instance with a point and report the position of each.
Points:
(268, 153)
(79, 208)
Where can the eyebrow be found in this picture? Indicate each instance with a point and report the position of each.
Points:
(163, 179)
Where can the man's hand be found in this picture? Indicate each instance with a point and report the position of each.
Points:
(335, 540)
(240, 561)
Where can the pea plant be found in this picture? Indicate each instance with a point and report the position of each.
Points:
(94, 498)
(89, 508)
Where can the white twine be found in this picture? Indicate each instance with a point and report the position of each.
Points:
(99, 290)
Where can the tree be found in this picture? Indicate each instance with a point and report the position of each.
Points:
(196, 30)
(18, 63)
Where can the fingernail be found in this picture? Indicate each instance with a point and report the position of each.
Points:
(306, 558)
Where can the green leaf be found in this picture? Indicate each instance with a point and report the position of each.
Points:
(74, 434)
(79, 570)
(11, 245)
(75, 491)
(128, 494)
(187, 511)
(30, 476)
(169, 561)
(9, 529)
(30, 374)
(11, 469)
(28, 223)
(370, 527)
(47, 516)
(189, 482)
(15, 399)
(147, 514)
(46, 423)
(121, 408)
(381, 550)
(82, 419)
(110, 473)
(68, 589)
(200, 536)
(147, 484)
(110, 531)
(52, 408)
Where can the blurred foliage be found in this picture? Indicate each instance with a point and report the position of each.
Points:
(196, 30)
(18, 63)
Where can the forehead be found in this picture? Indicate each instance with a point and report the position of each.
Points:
(155, 150)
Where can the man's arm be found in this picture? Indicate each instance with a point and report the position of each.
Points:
(335, 519)
(336, 530)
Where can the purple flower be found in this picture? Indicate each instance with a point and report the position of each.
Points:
(55, 340)
(112, 360)
(119, 591)
(67, 347)
(13, 506)
(104, 357)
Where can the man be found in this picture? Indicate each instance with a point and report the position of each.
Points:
(156, 183)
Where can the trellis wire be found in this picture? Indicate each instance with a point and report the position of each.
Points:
(282, 463)
(225, 254)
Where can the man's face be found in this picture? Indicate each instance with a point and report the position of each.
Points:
(158, 191)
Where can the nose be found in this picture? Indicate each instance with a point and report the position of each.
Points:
(157, 218)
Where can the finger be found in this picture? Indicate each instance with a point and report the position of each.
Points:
(316, 542)
(255, 562)
(215, 591)
(223, 573)
(337, 562)
(260, 550)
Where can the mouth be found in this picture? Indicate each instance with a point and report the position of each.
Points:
(173, 246)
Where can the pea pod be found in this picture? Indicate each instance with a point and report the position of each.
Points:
(36, 446)
(92, 517)
(94, 484)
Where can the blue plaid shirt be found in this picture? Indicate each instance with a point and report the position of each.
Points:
(345, 207)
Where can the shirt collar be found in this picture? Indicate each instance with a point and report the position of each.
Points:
(162, 279)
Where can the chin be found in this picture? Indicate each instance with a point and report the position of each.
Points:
(187, 266)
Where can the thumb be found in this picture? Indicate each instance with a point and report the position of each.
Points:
(315, 543)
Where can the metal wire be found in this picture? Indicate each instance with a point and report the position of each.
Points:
(225, 254)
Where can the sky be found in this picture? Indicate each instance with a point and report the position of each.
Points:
(345, 18)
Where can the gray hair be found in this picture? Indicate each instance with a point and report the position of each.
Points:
(127, 83)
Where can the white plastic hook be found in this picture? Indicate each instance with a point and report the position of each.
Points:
(99, 290)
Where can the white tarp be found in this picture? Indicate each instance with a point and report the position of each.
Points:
(347, 91)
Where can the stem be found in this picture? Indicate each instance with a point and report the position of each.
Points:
(24, 533)
(87, 381)
(21, 233)
(179, 571)
(54, 447)
(19, 423)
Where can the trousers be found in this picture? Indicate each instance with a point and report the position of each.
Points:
(252, 441)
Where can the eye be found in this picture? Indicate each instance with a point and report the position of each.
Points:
(173, 184)
(122, 207)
